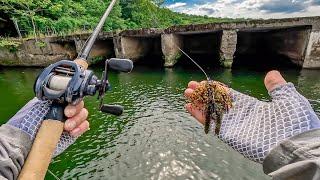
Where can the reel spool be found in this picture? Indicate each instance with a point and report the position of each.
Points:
(65, 82)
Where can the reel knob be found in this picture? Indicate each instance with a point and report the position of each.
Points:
(116, 110)
(122, 65)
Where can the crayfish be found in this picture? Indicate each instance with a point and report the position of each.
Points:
(214, 99)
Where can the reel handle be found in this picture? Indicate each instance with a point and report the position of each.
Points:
(116, 110)
(122, 65)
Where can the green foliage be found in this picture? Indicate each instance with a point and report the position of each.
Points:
(97, 59)
(12, 45)
(66, 16)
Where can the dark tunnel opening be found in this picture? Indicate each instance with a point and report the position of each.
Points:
(152, 55)
(101, 50)
(268, 49)
(204, 48)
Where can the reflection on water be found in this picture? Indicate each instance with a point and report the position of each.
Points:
(155, 138)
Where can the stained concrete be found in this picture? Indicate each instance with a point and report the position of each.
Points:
(137, 48)
(228, 47)
(169, 43)
(312, 58)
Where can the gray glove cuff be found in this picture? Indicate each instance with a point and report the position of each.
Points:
(29, 119)
(254, 127)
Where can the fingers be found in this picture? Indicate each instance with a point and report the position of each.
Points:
(196, 113)
(82, 128)
(193, 85)
(76, 123)
(76, 120)
(72, 110)
(273, 79)
(188, 92)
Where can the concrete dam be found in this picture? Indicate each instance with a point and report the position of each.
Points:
(276, 42)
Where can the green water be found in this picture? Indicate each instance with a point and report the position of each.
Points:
(155, 138)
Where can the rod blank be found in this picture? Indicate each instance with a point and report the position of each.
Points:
(88, 46)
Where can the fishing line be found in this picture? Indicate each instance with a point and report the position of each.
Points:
(193, 61)
(313, 100)
(56, 177)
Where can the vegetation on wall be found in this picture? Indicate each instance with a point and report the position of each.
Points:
(60, 17)
(10, 44)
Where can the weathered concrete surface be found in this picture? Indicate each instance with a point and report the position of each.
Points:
(312, 59)
(228, 47)
(136, 48)
(49, 50)
(22, 58)
(41, 53)
(170, 50)
(247, 24)
(102, 48)
(130, 47)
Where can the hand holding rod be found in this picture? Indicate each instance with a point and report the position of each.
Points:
(48, 136)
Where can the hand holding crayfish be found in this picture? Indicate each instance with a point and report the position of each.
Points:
(250, 126)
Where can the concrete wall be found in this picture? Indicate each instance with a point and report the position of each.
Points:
(41, 53)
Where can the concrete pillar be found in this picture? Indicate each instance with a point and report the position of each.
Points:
(170, 51)
(312, 58)
(228, 47)
(132, 48)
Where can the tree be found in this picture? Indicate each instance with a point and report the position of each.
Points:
(20, 8)
(68, 16)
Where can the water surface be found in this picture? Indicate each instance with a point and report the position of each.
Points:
(155, 138)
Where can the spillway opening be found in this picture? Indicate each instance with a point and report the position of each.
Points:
(204, 48)
(152, 53)
(272, 48)
(101, 50)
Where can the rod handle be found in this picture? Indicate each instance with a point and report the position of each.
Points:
(82, 63)
(40, 156)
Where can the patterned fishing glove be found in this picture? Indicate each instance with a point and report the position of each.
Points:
(29, 119)
(254, 127)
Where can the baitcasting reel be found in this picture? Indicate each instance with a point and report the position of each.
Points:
(65, 82)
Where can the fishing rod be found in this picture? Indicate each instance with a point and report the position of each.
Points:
(68, 82)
